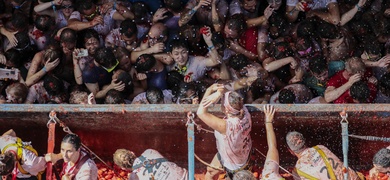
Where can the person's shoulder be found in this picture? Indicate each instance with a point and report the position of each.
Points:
(152, 153)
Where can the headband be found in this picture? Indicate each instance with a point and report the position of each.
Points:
(227, 105)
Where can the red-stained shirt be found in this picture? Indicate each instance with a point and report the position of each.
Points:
(338, 80)
(249, 40)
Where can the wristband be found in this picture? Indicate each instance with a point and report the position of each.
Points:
(358, 7)
(192, 11)
(44, 69)
(53, 6)
(268, 122)
(210, 47)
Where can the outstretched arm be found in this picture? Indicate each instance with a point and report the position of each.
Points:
(272, 153)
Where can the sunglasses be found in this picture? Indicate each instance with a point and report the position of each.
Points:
(156, 39)
(67, 7)
(112, 68)
(91, 16)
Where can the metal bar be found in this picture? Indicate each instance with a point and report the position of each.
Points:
(191, 150)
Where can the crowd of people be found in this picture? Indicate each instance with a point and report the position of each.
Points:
(162, 52)
(232, 52)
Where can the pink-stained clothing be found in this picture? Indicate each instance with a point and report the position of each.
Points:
(114, 39)
(108, 22)
(163, 170)
(271, 171)
(31, 163)
(88, 171)
(235, 145)
(313, 164)
(196, 67)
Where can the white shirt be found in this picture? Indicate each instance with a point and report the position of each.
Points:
(108, 22)
(234, 147)
(161, 171)
(88, 171)
(196, 67)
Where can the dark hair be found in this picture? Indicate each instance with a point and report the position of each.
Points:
(178, 43)
(359, 29)
(218, 40)
(141, 11)
(372, 46)
(279, 50)
(105, 57)
(174, 5)
(23, 41)
(90, 33)
(384, 84)
(237, 23)
(382, 158)
(68, 35)
(306, 28)
(53, 85)
(145, 62)
(183, 88)
(190, 33)
(154, 95)
(114, 97)
(72, 139)
(318, 65)
(44, 22)
(327, 30)
(128, 28)
(360, 91)
(14, 57)
(7, 163)
(238, 62)
(84, 5)
(19, 21)
(286, 96)
(125, 78)
(174, 78)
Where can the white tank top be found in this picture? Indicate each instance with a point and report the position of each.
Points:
(234, 147)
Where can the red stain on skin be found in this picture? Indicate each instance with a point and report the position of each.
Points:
(37, 34)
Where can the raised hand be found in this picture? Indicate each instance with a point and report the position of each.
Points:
(159, 14)
(269, 112)
(50, 65)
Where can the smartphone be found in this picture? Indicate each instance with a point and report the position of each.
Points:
(9, 74)
(82, 53)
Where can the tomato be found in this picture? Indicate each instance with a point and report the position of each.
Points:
(123, 174)
(109, 176)
(256, 174)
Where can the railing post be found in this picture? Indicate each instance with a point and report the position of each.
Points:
(191, 147)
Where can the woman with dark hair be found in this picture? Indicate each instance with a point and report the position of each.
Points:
(232, 132)
(77, 163)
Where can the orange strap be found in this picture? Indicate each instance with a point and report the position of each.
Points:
(50, 149)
